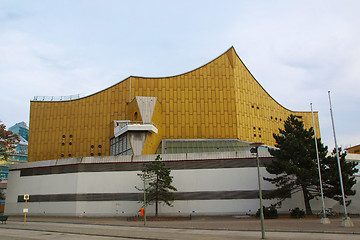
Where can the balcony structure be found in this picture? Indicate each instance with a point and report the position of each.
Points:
(127, 126)
(139, 134)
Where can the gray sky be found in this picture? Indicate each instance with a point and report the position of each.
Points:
(297, 50)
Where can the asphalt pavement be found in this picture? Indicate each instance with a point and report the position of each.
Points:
(200, 227)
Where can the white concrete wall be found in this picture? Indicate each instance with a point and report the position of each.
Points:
(354, 207)
(226, 179)
(46, 184)
(108, 182)
(229, 179)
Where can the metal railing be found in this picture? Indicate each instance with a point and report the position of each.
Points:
(56, 98)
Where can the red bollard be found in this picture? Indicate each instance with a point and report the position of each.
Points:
(142, 211)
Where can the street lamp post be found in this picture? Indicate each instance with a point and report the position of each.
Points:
(256, 145)
(346, 221)
(144, 168)
(324, 219)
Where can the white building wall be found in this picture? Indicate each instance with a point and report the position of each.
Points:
(45, 184)
(225, 179)
(187, 180)
(125, 182)
(184, 181)
(108, 182)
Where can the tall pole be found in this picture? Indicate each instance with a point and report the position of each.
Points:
(144, 200)
(260, 196)
(318, 163)
(257, 145)
(338, 160)
(25, 210)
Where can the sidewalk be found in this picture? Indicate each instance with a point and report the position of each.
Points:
(310, 225)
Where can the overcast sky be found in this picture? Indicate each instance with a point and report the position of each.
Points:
(297, 50)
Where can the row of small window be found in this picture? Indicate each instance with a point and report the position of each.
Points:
(70, 136)
(70, 143)
(63, 155)
(99, 146)
(270, 117)
(275, 118)
(92, 154)
(259, 135)
(69, 155)
(255, 128)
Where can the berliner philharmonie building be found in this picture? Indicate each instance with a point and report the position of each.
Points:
(219, 105)
(85, 153)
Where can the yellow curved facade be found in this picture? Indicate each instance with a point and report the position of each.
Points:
(354, 149)
(220, 100)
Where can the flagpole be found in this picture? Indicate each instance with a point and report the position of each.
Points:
(346, 220)
(324, 219)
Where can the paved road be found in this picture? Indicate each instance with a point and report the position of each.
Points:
(57, 230)
(15, 234)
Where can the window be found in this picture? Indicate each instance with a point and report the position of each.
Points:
(120, 146)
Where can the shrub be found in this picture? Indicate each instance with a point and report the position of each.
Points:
(269, 212)
(297, 213)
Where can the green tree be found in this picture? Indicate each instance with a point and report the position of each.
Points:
(295, 164)
(331, 179)
(8, 141)
(158, 184)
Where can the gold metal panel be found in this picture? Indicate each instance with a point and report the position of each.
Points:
(213, 101)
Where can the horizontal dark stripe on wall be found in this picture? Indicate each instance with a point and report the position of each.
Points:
(137, 166)
(202, 195)
(214, 195)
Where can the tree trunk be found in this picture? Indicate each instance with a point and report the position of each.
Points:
(306, 201)
(156, 206)
(157, 196)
